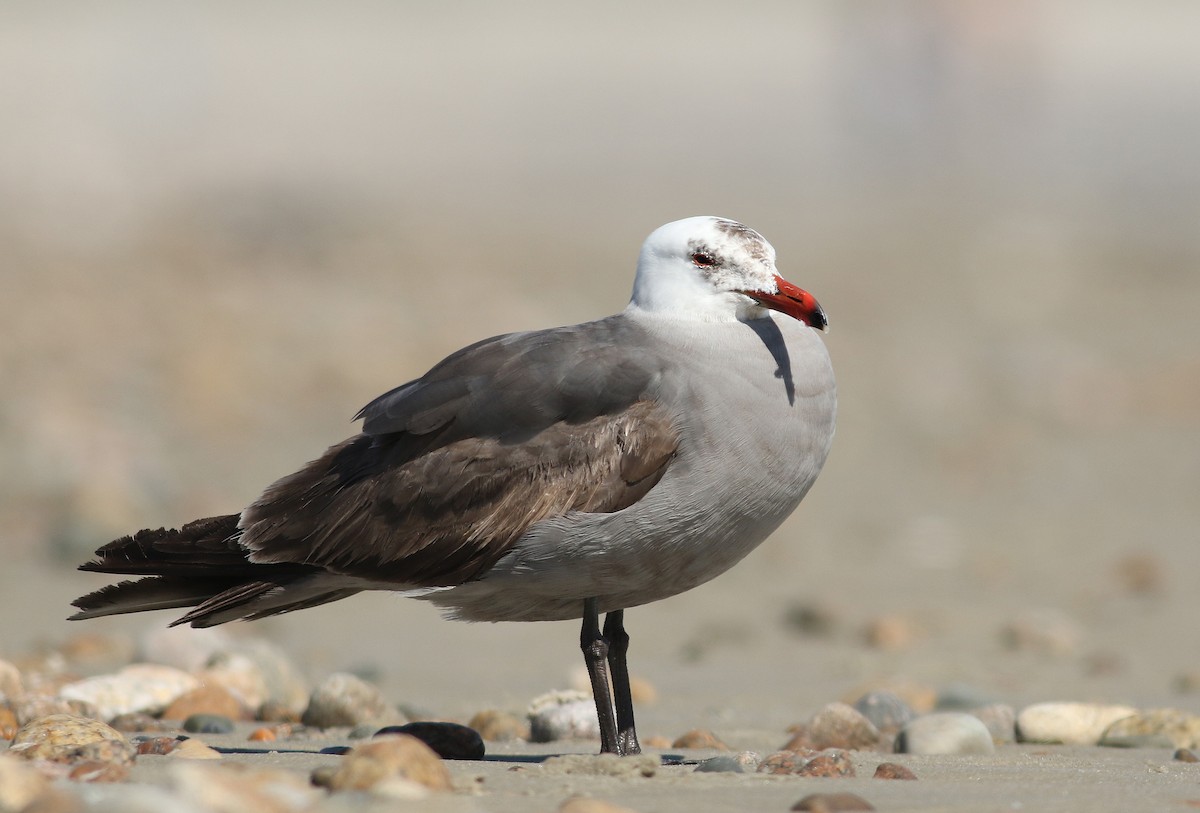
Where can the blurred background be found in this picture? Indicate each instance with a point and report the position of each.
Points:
(226, 226)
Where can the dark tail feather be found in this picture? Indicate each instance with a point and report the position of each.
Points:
(150, 593)
(200, 565)
(205, 543)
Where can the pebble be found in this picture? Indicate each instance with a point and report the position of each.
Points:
(394, 757)
(257, 672)
(961, 697)
(643, 765)
(1001, 721)
(893, 770)
(585, 804)
(700, 738)
(448, 740)
(157, 746)
(208, 724)
(1140, 574)
(890, 633)
(561, 715)
(1180, 729)
(322, 775)
(8, 723)
(831, 802)
(10, 681)
(1045, 632)
(1136, 741)
(743, 762)
(136, 722)
(885, 710)
(835, 725)
(66, 738)
(144, 687)
(205, 700)
(194, 749)
(98, 770)
(44, 672)
(815, 619)
(919, 696)
(945, 732)
(34, 707)
(499, 726)
(270, 733)
(238, 674)
(1187, 682)
(721, 764)
(1068, 723)
(273, 711)
(345, 700)
(833, 762)
(20, 784)
(1186, 755)
(642, 692)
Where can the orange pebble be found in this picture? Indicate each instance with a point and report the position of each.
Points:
(262, 734)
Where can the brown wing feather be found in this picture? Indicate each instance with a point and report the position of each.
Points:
(403, 509)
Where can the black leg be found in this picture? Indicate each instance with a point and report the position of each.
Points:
(596, 656)
(618, 646)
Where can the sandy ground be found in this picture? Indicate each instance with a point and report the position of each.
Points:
(1024, 778)
(722, 658)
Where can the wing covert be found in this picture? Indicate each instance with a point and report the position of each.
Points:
(452, 468)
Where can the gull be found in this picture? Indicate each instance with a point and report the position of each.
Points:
(539, 476)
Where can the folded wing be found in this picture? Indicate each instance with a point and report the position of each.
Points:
(449, 471)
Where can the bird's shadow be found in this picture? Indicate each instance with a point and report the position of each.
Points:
(519, 759)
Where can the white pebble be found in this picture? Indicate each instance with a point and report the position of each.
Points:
(1068, 723)
(946, 732)
(560, 715)
(144, 687)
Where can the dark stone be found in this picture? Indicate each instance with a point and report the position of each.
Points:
(208, 724)
(885, 710)
(962, 697)
(722, 764)
(448, 740)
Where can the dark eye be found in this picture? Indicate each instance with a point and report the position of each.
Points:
(703, 260)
